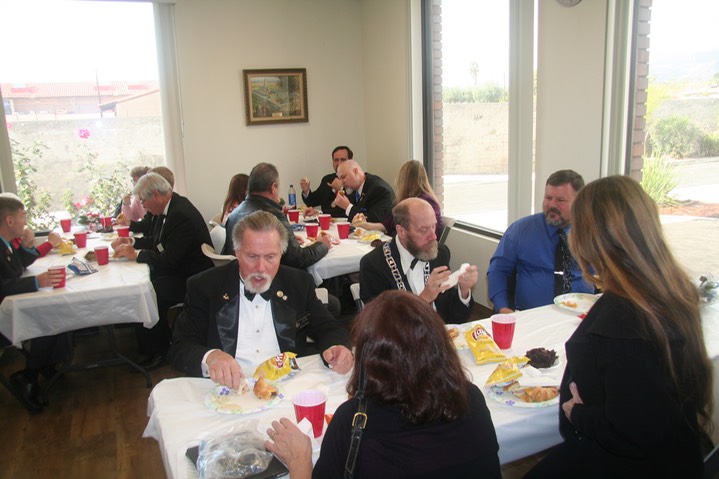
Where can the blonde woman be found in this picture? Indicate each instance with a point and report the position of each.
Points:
(412, 181)
(636, 394)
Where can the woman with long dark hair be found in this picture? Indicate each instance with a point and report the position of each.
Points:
(425, 419)
(636, 393)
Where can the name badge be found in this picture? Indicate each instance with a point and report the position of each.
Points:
(303, 321)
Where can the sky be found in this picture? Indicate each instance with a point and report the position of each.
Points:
(70, 41)
(476, 30)
(118, 40)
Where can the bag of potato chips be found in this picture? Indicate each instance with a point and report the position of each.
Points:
(507, 372)
(483, 347)
(282, 366)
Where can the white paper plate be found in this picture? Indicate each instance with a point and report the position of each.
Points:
(223, 400)
(509, 399)
(579, 303)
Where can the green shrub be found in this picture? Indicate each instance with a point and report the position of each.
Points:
(35, 199)
(675, 136)
(658, 180)
(489, 93)
(708, 145)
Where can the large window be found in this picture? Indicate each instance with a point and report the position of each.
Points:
(680, 158)
(480, 82)
(81, 99)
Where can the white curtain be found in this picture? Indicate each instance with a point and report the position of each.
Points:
(170, 92)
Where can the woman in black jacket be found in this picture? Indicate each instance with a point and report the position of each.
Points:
(636, 393)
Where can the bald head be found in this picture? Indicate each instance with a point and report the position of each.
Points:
(416, 223)
(351, 174)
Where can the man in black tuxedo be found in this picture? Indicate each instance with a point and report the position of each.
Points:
(240, 314)
(371, 195)
(47, 350)
(324, 195)
(414, 261)
(173, 253)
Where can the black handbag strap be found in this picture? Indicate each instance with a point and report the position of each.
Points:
(359, 421)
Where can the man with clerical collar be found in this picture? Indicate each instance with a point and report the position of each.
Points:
(224, 333)
(414, 261)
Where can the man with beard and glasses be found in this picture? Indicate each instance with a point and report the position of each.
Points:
(526, 270)
(414, 261)
(238, 315)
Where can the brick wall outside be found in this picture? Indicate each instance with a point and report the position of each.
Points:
(641, 81)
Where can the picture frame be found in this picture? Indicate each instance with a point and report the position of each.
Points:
(276, 95)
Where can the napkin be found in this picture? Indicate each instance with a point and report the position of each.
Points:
(534, 377)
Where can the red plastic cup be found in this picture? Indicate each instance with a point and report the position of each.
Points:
(81, 239)
(123, 231)
(63, 270)
(106, 221)
(325, 221)
(102, 255)
(66, 224)
(294, 216)
(310, 404)
(343, 230)
(503, 330)
(311, 229)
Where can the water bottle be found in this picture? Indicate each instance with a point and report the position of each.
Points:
(292, 197)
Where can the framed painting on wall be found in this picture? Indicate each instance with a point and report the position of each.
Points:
(275, 96)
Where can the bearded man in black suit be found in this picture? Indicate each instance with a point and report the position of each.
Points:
(371, 195)
(414, 261)
(173, 252)
(240, 314)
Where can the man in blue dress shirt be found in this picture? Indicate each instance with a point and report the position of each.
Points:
(525, 262)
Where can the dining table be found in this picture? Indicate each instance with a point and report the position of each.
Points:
(343, 258)
(181, 416)
(117, 293)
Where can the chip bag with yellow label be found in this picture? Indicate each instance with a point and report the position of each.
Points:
(507, 372)
(483, 347)
(282, 366)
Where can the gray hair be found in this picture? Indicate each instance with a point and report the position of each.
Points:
(151, 183)
(259, 221)
(262, 177)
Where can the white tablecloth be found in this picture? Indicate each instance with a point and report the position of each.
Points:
(119, 292)
(179, 418)
(342, 259)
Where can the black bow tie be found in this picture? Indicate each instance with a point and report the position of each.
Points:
(251, 296)
(413, 263)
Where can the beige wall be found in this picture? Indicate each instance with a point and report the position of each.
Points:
(217, 39)
(570, 89)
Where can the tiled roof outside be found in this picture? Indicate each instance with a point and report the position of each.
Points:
(76, 89)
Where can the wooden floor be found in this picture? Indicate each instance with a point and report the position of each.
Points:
(94, 423)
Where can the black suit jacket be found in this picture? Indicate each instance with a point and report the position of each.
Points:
(295, 256)
(209, 319)
(376, 201)
(324, 196)
(12, 266)
(376, 277)
(181, 237)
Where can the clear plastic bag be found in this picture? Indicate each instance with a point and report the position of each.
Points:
(236, 454)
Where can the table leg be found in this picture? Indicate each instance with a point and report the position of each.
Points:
(116, 359)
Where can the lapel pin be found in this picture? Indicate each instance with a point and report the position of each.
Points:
(226, 297)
